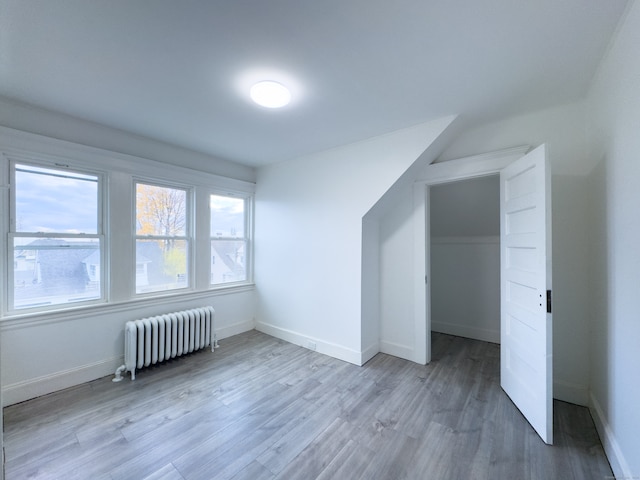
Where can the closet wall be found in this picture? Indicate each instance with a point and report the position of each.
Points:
(465, 258)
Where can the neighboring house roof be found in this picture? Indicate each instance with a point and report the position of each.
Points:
(142, 259)
(61, 264)
(93, 259)
(226, 250)
(61, 267)
(150, 252)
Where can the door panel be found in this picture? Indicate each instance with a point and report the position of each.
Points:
(525, 245)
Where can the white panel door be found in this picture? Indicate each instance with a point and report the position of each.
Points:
(525, 263)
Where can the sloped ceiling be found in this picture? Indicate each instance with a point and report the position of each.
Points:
(179, 71)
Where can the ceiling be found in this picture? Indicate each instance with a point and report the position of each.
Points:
(180, 71)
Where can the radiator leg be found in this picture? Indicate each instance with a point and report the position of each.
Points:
(118, 374)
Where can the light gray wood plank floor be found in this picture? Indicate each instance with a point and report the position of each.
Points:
(260, 408)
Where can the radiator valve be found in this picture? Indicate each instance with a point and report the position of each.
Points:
(118, 373)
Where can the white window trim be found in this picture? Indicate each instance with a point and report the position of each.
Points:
(12, 233)
(117, 170)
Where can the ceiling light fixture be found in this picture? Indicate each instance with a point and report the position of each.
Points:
(270, 94)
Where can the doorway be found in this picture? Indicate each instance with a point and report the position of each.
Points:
(465, 258)
(525, 274)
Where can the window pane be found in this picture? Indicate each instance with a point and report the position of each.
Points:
(53, 271)
(228, 261)
(161, 265)
(55, 201)
(160, 211)
(227, 216)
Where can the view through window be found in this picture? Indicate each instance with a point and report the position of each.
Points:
(55, 237)
(228, 239)
(162, 240)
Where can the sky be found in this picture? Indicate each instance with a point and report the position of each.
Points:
(49, 200)
(63, 202)
(227, 215)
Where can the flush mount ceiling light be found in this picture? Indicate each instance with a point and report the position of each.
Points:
(270, 94)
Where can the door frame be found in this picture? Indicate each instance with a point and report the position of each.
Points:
(434, 174)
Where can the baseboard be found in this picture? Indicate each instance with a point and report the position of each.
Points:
(36, 387)
(368, 353)
(327, 348)
(616, 459)
(397, 350)
(234, 329)
(475, 333)
(571, 392)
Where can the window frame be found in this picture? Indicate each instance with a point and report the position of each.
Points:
(117, 174)
(189, 238)
(12, 233)
(248, 199)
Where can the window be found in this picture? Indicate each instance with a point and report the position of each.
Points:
(55, 237)
(162, 238)
(80, 231)
(229, 242)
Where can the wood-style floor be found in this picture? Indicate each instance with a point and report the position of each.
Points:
(260, 408)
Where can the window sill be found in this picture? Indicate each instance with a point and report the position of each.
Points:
(22, 320)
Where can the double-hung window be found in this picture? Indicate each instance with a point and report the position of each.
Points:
(56, 237)
(229, 239)
(163, 237)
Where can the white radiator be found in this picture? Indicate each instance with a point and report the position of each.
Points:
(152, 340)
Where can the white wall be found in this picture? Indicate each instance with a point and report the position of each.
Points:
(571, 327)
(47, 353)
(25, 117)
(396, 280)
(370, 289)
(466, 208)
(614, 126)
(561, 128)
(41, 353)
(570, 288)
(465, 295)
(310, 244)
(465, 258)
(465, 287)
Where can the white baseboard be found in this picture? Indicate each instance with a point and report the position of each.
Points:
(327, 348)
(617, 461)
(368, 353)
(466, 331)
(571, 392)
(36, 387)
(397, 350)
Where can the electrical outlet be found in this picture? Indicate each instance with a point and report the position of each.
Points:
(311, 345)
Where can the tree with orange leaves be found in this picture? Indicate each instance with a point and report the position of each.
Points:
(160, 211)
